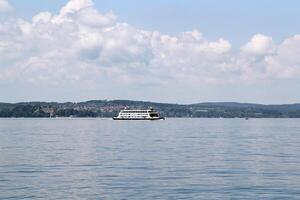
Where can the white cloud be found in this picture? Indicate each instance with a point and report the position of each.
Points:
(5, 6)
(43, 17)
(259, 45)
(286, 62)
(81, 45)
(75, 6)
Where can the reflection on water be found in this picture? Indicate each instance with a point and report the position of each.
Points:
(172, 159)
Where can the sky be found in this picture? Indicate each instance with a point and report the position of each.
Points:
(177, 51)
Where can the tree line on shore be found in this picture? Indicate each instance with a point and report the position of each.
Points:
(105, 108)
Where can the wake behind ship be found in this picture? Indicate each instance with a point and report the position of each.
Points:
(149, 114)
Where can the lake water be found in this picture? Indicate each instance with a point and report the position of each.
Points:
(171, 159)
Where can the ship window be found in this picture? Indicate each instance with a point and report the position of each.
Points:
(153, 115)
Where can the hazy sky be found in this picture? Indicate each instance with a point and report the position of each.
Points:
(181, 51)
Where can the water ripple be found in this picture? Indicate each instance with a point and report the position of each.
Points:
(174, 159)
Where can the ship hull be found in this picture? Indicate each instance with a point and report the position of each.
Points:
(134, 119)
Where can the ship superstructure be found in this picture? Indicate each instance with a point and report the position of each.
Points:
(128, 114)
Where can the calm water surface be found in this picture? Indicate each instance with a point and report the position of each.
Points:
(172, 159)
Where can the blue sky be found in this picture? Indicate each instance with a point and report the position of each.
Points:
(162, 50)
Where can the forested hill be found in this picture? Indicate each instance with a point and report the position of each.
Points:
(105, 108)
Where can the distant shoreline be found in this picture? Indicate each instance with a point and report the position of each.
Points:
(110, 118)
(108, 109)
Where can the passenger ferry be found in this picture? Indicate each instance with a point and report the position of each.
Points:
(149, 114)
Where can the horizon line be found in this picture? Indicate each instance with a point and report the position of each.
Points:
(149, 101)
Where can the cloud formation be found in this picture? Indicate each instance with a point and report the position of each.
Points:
(82, 45)
(5, 6)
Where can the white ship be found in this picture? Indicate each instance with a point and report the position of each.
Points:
(149, 114)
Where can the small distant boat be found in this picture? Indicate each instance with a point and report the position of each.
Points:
(246, 118)
(149, 114)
